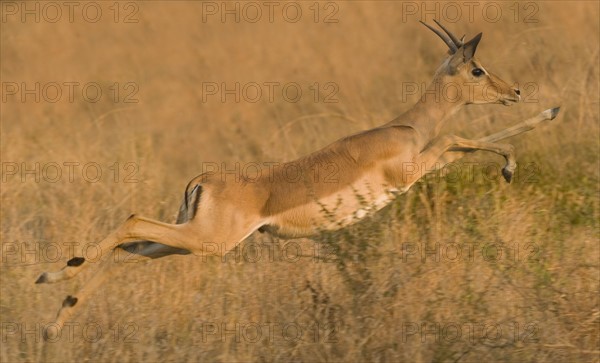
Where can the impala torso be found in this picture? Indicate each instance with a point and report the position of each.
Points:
(339, 184)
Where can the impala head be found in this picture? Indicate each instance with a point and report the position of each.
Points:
(472, 83)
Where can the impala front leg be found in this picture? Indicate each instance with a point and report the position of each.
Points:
(531, 123)
(434, 151)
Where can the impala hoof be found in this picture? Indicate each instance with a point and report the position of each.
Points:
(507, 174)
(42, 279)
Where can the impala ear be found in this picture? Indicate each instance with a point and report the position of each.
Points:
(465, 53)
(470, 47)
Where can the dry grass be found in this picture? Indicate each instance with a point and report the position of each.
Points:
(372, 301)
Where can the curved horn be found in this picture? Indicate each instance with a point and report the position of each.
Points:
(449, 42)
(457, 42)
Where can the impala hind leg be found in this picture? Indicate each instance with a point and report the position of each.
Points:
(125, 255)
(118, 258)
(187, 211)
(178, 236)
(148, 249)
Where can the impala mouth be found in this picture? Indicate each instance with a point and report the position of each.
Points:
(509, 101)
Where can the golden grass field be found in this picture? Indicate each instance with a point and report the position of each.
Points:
(524, 288)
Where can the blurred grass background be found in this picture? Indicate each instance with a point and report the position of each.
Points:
(366, 301)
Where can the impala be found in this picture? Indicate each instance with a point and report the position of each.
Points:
(370, 164)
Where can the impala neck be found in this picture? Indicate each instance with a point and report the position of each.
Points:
(429, 115)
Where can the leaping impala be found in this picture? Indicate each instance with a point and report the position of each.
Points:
(371, 164)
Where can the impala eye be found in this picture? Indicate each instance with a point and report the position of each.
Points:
(477, 72)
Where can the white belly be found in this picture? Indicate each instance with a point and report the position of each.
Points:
(367, 208)
(340, 209)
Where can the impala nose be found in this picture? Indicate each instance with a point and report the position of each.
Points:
(517, 91)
